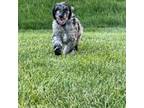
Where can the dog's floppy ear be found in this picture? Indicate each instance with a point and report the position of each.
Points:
(70, 10)
(53, 11)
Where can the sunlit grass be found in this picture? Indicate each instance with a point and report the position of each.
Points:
(92, 78)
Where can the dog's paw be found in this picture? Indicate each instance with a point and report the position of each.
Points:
(57, 50)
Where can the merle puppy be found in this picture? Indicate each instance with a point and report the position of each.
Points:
(66, 29)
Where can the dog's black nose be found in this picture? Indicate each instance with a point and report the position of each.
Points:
(61, 16)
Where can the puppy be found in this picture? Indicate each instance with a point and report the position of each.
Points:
(67, 29)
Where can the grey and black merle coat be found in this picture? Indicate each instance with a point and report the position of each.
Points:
(67, 29)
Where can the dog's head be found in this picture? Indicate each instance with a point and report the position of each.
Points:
(62, 12)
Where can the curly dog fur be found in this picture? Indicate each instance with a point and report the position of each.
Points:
(67, 29)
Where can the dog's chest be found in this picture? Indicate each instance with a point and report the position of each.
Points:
(70, 31)
(65, 38)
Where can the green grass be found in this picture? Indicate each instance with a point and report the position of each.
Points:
(37, 14)
(92, 78)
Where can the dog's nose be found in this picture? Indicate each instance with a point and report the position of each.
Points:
(61, 16)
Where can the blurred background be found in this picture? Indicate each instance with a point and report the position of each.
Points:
(37, 14)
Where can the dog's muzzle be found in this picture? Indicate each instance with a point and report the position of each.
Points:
(61, 19)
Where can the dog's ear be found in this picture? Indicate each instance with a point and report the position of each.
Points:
(70, 10)
(53, 11)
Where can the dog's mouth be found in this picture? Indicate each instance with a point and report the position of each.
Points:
(62, 20)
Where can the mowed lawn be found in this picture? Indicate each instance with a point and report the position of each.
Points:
(92, 78)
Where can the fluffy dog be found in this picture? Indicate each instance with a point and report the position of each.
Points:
(67, 29)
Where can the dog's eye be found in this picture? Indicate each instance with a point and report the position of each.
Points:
(66, 9)
(56, 9)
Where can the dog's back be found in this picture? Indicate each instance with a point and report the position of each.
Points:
(77, 25)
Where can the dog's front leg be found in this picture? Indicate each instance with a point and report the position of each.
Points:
(68, 48)
(57, 44)
(57, 38)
